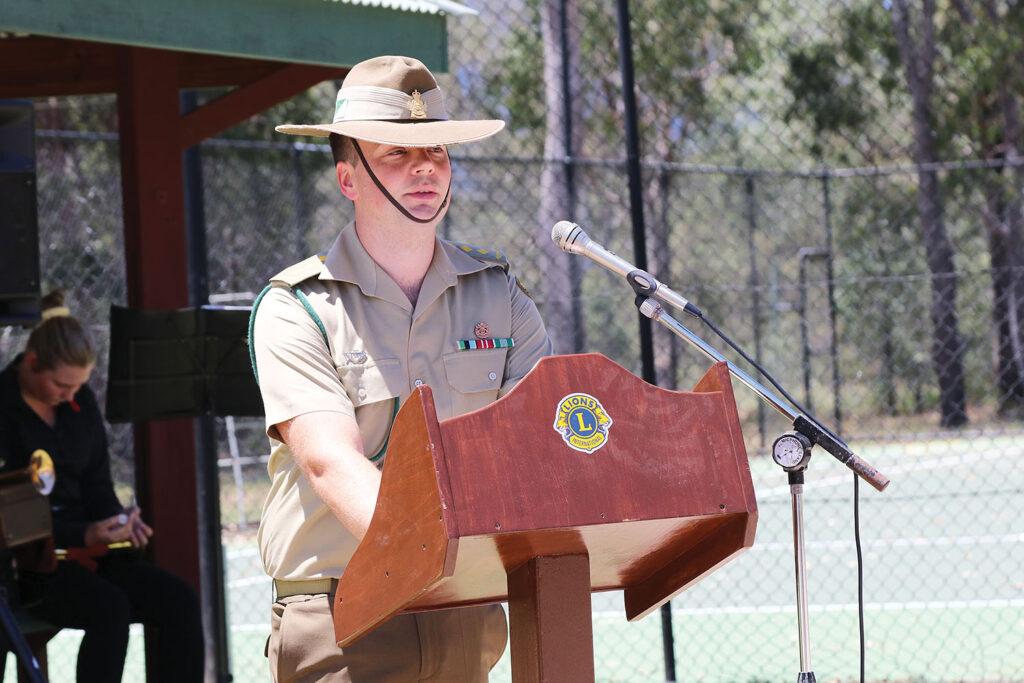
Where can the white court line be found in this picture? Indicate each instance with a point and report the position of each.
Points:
(901, 542)
(771, 609)
(249, 581)
(788, 546)
(847, 607)
(242, 552)
(949, 461)
(250, 628)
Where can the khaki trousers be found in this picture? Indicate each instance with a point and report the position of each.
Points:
(450, 646)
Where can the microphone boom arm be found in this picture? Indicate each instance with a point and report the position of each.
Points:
(808, 427)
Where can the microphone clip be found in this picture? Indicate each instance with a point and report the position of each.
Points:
(646, 287)
(641, 282)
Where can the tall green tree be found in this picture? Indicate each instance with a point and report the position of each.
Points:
(679, 51)
(987, 46)
(563, 135)
(881, 61)
(915, 37)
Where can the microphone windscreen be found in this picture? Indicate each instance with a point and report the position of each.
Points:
(560, 232)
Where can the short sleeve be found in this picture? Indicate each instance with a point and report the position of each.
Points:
(531, 339)
(297, 373)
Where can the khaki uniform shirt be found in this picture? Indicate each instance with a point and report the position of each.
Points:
(379, 349)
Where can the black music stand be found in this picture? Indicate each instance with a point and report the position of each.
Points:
(188, 362)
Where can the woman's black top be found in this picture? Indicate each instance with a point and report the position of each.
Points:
(84, 491)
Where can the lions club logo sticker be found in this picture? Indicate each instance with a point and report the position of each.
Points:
(582, 422)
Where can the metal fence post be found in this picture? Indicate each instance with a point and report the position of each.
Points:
(569, 160)
(755, 283)
(636, 205)
(208, 478)
(832, 312)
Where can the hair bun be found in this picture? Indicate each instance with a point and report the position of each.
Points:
(53, 299)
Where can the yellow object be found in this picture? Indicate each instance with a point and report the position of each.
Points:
(43, 475)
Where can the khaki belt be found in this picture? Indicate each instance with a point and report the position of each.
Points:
(283, 589)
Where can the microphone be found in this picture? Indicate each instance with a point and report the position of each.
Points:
(571, 238)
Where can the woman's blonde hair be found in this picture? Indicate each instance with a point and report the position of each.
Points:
(60, 339)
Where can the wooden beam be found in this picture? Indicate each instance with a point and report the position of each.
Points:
(157, 277)
(550, 622)
(240, 104)
(35, 66)
(41, 67)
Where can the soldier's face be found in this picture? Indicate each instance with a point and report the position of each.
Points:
(418, 177)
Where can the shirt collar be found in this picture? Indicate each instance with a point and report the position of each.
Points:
(348, 261)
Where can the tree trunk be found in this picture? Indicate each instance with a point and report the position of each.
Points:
(561, 283)
(947, 347)
(656, 190)
(1004, 220)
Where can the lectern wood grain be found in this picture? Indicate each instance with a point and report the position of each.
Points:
(664, 500)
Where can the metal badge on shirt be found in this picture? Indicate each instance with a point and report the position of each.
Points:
(483, 340)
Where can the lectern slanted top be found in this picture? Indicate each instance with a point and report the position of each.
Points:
(653, 485)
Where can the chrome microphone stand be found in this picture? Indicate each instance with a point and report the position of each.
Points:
(791, 450)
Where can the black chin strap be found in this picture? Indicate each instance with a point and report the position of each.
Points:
(394, 201)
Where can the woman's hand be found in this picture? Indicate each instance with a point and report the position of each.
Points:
(140, 531)
(106, 531)
(127, 526)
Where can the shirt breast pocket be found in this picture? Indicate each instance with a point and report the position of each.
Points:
(474, 377)
(374, 387)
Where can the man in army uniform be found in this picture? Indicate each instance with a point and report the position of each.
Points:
(340, 340)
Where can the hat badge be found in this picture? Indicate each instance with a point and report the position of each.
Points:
(416, 106)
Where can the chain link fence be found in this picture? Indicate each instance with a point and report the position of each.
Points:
(874, 266)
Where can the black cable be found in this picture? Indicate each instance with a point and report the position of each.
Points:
(856, 481)
(764, 373)
(860, 569)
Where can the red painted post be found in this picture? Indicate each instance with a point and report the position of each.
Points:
(157, 276)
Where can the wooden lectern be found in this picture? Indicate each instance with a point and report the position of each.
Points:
(583, 478)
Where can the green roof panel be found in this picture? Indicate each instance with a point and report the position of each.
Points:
(327, 32)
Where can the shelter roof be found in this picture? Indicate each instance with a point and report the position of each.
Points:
(66, 47)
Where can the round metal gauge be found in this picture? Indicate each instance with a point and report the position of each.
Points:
(791, 450)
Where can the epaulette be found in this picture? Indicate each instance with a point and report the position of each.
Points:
(303, 270)
(490, 256)
(290, 277)
(483, 255)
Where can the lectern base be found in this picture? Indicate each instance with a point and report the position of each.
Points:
(550, 621)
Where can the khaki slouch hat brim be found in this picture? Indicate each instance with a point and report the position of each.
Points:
(395, 101)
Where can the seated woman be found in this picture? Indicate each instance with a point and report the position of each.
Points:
(45, 403)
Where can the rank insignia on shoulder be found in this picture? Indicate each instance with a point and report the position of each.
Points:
(481, 254)
(523, 289)
(473, 344)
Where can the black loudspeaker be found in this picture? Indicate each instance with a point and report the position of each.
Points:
(19, 234)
